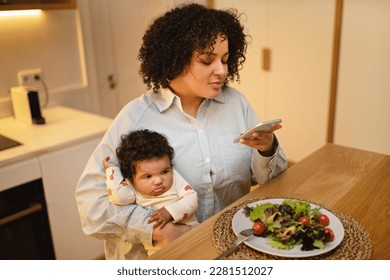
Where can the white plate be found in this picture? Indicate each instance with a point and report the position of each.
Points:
(241, 222)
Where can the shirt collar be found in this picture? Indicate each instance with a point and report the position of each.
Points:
(164, 98)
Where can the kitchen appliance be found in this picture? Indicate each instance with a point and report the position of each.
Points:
(24, 223)
(25, 102)
(7, 143)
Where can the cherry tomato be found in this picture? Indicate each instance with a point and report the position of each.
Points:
(304, 220)
(258, 228)
(323, 219)
(329, 234)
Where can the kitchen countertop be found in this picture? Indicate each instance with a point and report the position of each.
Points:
(64, 127)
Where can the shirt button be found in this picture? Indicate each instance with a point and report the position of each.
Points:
(207, 160)
(201, 130)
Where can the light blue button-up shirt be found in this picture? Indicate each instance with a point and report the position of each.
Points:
(219, 170)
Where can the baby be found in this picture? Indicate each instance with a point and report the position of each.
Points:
(145, 176)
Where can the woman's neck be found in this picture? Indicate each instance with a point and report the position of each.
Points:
(191, 105)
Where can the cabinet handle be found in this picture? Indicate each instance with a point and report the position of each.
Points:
(32, 209)
(111, 81)
(266, 59)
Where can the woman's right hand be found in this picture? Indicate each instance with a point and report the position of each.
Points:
(169, 233)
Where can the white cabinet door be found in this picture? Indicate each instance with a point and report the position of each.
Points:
(297, 87)
(61, 171)
(19, 173)
(363, 96)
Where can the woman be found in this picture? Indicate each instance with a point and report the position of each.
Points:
(188, 56)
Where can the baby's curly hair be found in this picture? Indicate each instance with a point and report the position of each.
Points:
(141, 145)
(170, 41)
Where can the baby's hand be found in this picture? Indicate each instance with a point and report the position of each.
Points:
(161, 217)
(105, 162)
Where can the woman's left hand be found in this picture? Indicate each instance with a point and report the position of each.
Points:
(261, 141)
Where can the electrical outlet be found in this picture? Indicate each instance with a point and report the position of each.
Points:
(27, 77)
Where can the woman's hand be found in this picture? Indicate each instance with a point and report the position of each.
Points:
(169, 233)
(262, 141)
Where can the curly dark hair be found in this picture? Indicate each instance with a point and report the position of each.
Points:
(141, 145)
(170, 41)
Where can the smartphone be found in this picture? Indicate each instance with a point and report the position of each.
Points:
(263, 126)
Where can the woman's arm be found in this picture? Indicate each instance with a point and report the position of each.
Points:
(268, 158)
(265, 168)
(169, 233)
(102, 219)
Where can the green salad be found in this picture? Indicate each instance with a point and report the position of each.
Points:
(291, 223)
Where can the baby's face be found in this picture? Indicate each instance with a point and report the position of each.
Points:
(153, 176)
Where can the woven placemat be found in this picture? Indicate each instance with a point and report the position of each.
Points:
(356, 244)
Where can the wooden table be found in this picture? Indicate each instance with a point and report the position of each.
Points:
(354, 182)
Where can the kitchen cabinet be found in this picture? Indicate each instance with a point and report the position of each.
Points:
(56, 153)
(60, 173)
(112, 32)
(19, 173)
(37, 4)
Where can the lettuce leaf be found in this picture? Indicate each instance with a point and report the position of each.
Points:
(279, 245)
(301, 208)
(259, 211)
(318, 244)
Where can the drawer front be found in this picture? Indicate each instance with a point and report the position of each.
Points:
(19, 173)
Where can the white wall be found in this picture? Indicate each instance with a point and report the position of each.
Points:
(50, 41)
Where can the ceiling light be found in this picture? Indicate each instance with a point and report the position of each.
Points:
(19, 13)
